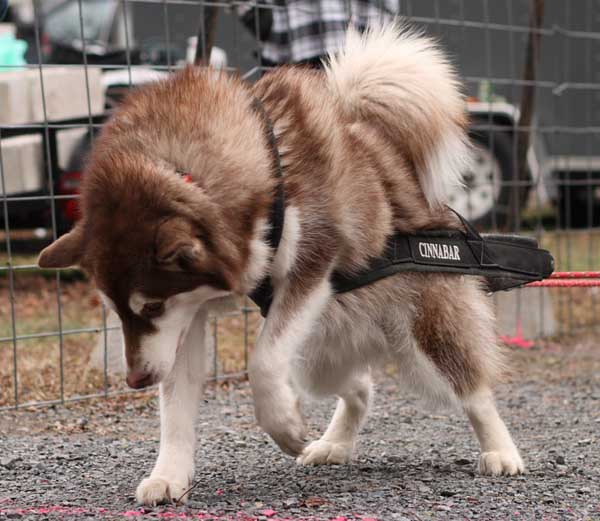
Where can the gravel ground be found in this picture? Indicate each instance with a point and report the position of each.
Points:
(85, 460)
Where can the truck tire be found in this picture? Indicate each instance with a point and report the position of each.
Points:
(489, 198)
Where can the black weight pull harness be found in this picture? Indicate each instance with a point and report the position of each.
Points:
(505, 261)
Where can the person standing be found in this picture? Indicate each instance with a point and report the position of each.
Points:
(305, 31)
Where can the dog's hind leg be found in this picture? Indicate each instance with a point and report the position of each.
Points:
(498, 452)
(179, 397)
(454, 329)
(336, 446)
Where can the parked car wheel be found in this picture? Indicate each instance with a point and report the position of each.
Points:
(578, 199)
(489, 197)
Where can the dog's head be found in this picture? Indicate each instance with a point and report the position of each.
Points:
(157, 246)
(154, 268)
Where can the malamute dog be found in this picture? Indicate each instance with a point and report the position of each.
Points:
(369, 146)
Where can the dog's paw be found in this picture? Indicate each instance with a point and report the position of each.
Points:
(321, 452)
(502, 462)
(283, 421)
(289, 433)
(155, 491)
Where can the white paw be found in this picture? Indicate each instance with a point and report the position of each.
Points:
(154, 491)
(502, 462)
(283, 421)
(321, 452)
(289, 432)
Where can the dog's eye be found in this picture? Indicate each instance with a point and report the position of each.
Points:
(153, 309)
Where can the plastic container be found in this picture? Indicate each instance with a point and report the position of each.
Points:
(12, 53)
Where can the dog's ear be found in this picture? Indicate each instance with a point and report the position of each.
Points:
(64, 251)
(177, 247)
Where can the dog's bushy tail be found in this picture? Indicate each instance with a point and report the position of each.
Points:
(398, 78)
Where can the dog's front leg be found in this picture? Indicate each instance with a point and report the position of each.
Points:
(179, 396)
(292, 316)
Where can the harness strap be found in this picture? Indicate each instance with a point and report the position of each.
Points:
(277, 213)
(262, 295)
(506, 261)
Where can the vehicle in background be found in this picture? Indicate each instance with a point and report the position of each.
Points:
(490, 195)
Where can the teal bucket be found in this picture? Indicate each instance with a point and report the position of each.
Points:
(12, 53)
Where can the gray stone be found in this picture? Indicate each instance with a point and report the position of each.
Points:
(9, 462)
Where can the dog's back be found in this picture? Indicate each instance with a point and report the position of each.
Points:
(371, 146)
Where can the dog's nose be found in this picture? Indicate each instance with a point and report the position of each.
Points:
(139, 380)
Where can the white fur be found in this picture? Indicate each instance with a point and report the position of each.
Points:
(137, 301)
(446, 165)
(498, 452)
(275, 401)
(397, 72)
(158, 350)
(260, 254)
(288, 246)
(337, 444)
(107, 301)
(179, 396)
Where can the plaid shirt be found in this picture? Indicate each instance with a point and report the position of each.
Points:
(304, 30)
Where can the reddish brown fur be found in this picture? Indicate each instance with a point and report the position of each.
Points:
(441, 330)
(353, 182)
(368, 148)
(131, 188)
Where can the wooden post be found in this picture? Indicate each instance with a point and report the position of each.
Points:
(206, 35)
(527, 106)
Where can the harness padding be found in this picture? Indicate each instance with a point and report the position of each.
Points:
(506, 261)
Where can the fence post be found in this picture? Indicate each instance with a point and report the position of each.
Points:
(206, 35)
(527, 106)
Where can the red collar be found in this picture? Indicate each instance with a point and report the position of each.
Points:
(185, 176)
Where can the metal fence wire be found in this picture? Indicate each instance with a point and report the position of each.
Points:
(530, 69)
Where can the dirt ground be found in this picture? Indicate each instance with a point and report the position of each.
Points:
(85, 460)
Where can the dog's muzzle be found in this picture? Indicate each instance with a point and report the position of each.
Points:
(140, 379)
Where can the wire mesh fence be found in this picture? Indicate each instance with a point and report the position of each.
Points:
(531, 81)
